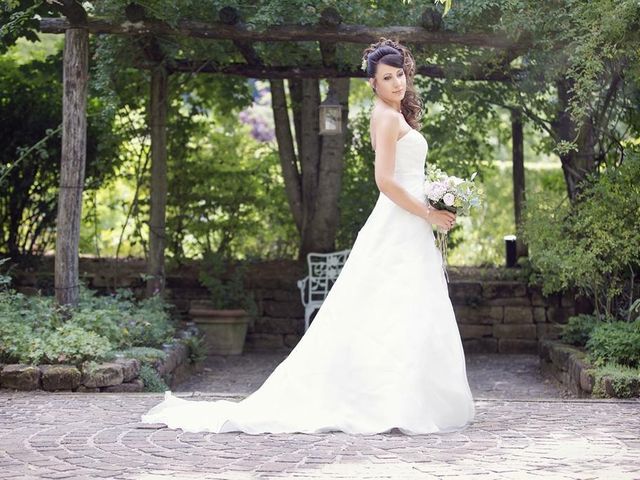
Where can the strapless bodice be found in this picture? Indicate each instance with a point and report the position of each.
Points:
(411, 156)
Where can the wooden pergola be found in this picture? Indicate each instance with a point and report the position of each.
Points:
(330, 31)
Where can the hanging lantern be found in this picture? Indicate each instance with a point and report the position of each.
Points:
(330, 115)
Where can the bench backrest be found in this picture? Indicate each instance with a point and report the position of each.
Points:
(324, 269)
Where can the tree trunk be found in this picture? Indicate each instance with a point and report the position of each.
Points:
(517, 144)
(72, 164)
(295, 90)
(323, 221)
(288, 160)
(575, 164)
(309, 159)
(158, 123)
(313, 177)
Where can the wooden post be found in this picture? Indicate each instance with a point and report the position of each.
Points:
(517, 141)
(158, 122)
(72, 164)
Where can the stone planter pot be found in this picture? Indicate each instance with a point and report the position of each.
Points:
(224, 330)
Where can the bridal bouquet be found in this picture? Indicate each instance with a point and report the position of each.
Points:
(453, 194)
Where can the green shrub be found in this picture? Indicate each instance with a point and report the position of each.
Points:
(66, 344)
(226, 293)
(591, 245)
(70, 344)
(197, 350)
(5, 279)
(624, 380)
(152, 380)
(149, 325)
(578, 329)
(146, 355)
(101, 322)
(35, 330)
(617, 342)
(25, 326)
(125, 322)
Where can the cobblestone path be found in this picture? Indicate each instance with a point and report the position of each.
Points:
(525, 428)
(490, 376)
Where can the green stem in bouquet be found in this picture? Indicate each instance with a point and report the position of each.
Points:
(441, 236)
(441, 242)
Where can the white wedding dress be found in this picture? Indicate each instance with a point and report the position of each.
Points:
(383, 351)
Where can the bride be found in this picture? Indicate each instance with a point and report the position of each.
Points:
(384, 350)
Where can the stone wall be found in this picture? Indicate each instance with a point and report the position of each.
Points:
(506, 316)
(570, 365)
(496, 311)
(119, 375)
(493, 314)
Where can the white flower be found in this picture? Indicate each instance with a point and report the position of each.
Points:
(439, 189)
(435, 190)
(448, 199)
(451, 190)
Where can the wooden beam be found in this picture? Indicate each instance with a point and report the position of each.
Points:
(75, 75)
(231, 17)
(297, 71)
(358, 34)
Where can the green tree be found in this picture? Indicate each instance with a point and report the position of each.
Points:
(592, 246)
(31, 112)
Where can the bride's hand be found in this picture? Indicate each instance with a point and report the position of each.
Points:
(444, 219)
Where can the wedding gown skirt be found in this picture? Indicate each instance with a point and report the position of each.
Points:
(383, 351)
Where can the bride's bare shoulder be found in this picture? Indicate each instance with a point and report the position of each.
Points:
(383, 119)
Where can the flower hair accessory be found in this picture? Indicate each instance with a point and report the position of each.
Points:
(364, 64)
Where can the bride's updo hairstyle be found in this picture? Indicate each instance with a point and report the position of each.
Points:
(389, 52)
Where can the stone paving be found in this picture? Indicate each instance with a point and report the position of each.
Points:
(490, 375)
(525, 428)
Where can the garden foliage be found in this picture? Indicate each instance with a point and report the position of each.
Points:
(594, 245)
(613, 348)
(35, 330)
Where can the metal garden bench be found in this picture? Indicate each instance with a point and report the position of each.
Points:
(324, 269)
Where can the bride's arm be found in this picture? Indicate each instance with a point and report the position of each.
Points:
(387, 130)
